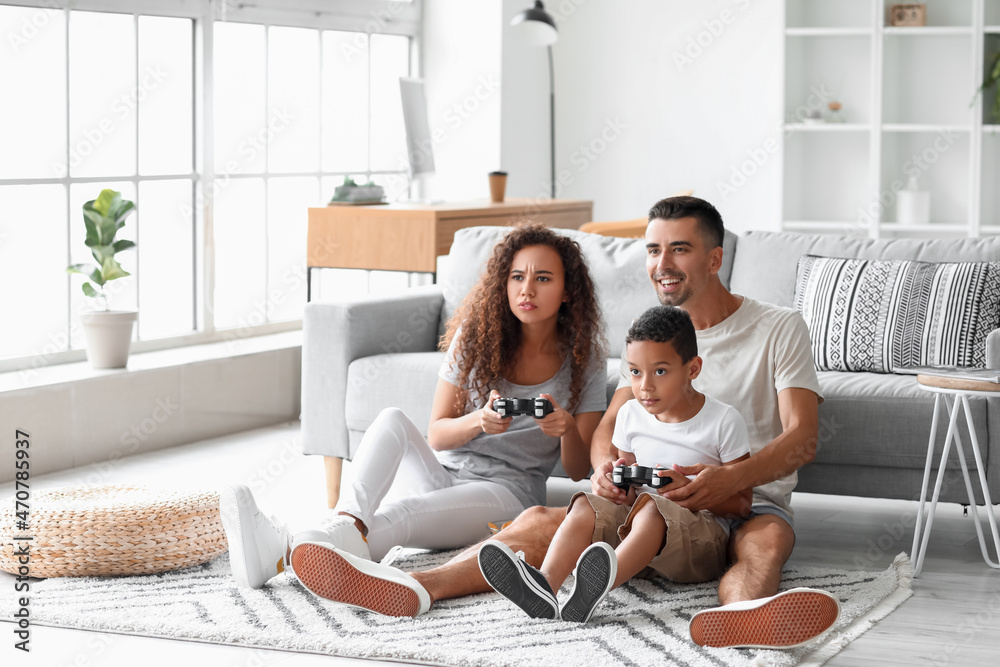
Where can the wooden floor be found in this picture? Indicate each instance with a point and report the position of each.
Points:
(952, 619)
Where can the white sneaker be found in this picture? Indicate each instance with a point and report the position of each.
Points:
(341, 533)
(258, 544)
(339, 576)
(786, 620)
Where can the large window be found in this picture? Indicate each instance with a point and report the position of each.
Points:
(96, 98)
(295, 111)
(90, 97)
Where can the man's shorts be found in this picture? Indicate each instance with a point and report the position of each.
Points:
(758, 510)
(696, 543)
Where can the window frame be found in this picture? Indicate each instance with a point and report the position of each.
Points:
(362, 16)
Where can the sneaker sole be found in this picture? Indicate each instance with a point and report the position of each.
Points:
(229, 509)
(595, 575)
(786, 621)
(506, 579)
(328, 574)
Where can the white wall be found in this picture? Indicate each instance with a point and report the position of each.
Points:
(461, 64)
(634, 85)
(524, 119)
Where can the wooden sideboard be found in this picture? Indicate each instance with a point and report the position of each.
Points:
(410, 237)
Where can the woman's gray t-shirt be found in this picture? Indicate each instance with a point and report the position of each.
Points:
(522, 457)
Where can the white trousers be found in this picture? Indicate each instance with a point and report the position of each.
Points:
(443, 513)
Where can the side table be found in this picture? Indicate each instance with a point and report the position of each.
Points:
(954, 393)
(410, 237)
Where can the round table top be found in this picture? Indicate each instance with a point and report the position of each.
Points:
(946, 385)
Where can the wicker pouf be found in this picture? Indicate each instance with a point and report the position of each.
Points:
(90, 531)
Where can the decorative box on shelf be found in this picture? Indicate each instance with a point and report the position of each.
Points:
(352, 193)
(909, 16)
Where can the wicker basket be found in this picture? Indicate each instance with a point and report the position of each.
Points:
(87, 531)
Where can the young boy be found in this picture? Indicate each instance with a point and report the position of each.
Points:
(668, 423)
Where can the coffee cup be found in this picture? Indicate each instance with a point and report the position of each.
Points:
(498, 184)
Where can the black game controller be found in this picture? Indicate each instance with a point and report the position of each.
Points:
(626, 476)
(536, 407)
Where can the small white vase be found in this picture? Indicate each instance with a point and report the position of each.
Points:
(109, 337)
(913, 207)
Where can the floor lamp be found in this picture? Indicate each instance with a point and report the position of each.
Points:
(539, 28)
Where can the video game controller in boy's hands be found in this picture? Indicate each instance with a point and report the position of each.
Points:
(626, 476)
(509, 407)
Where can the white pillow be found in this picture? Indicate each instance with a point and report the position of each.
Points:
(880, 315)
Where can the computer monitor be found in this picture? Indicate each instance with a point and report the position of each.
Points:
(419, 143)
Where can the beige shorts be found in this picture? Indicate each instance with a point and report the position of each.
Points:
(695, 550)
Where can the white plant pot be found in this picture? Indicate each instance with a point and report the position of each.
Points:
(109, 337)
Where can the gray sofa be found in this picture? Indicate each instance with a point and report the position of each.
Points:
(359, 357)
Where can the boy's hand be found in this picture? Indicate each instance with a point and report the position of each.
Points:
(558, 422)
(489, 420)
(601, 484)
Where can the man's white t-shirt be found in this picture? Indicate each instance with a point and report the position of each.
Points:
(715, 435)
(748, 358)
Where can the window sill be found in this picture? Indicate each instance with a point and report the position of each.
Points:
(148, 361)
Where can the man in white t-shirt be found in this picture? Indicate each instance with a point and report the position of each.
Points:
(758, 360)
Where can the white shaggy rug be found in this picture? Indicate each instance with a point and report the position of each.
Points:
(641, 623)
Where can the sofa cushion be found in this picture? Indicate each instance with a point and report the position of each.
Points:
(872, 385)
(881, 315)
(869, 419)
(406, 381)
(617, 267)
(764, 267)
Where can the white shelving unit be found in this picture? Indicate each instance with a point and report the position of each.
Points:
(915, 31)
(907, 104)
(827, 127)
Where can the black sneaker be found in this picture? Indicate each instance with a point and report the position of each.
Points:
(594, 576)
(517, 581)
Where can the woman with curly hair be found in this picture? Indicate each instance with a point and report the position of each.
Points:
(530, 328)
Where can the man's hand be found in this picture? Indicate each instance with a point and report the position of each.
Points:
(677, 480)
(489, 420)
(711, 486)
(558, 422)
(601, 485)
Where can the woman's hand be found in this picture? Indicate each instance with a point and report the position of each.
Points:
(558, 422)
(490, 421)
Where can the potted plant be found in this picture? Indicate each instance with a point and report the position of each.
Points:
(990, 78)
(108, 332)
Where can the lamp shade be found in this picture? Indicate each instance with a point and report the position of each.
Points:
(537, 25)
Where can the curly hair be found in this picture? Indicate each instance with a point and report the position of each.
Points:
(489, 334)
(666, 324)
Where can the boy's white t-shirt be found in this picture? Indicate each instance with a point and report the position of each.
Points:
(747, 360)
(716, 435)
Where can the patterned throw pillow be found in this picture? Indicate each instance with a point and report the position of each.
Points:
(880, 315)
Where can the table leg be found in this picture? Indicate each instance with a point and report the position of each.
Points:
(952, 424)
(960, 449)
(918, 526)
(986, 490)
